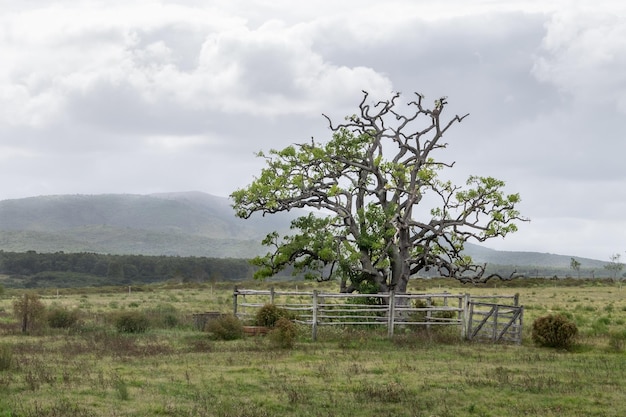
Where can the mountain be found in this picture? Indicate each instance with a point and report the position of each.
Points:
(180, 224)
(482, 254)
(183, 224)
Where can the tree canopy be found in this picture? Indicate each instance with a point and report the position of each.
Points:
(366, 185)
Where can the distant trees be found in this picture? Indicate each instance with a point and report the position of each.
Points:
(615, 266)
(575, 265)
(69, 269)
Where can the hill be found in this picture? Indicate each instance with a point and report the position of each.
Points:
(179, 224)
(182, 224)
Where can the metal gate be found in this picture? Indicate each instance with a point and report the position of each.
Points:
(495, 322)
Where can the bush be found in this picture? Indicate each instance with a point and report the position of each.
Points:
(131, 322)
(284, 333)
(164, 315)
(227, 327)
(6, 357)
(62, 318)
(555, 331)
(30, 311)
(617, 341)
(269, 314)
(422, 316)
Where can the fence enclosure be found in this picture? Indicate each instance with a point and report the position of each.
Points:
(391, 311)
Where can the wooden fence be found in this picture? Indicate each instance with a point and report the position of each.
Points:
(389, 310)
(495, 322)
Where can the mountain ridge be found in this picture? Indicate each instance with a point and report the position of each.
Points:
(188, 223)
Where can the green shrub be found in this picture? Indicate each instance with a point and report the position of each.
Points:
(269, 314)
(617, 341)
(226, 327)
(62, 318)
(163, 315)
(555, 331)
(131, 322)
(6, 357)
(284, 333)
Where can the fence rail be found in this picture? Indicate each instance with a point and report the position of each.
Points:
(495, 322)
(387, 309)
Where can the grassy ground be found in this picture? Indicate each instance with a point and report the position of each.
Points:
(93, 370)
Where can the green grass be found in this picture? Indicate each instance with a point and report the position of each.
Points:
(174, 370)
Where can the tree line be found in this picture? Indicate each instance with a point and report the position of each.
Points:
(32, 269)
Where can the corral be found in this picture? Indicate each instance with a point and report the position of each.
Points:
(477, 317)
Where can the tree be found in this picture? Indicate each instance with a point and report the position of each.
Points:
(614, 266)
(30, 311)
(575, 265)
(370, 182)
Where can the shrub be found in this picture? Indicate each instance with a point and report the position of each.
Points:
(269, 314)
(131, 322)
(6, 357)
(554, 331)
(164, 315)
(617, 341)
(61, 318)
(227, 327)
(284, 333)
(30, 311)
(423, 316)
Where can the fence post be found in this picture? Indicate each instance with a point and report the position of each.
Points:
(465, 319)
(391, 312)
(521, 324)
(271, 295)
(516, 299)
(235, 291)
(495, 324)
(314, 317)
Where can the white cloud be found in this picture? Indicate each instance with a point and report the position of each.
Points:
(146, 96)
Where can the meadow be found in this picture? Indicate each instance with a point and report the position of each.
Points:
(173, 369)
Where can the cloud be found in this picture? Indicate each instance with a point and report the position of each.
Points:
(584, 56)
(148, 96)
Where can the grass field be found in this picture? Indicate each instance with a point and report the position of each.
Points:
(176, 370)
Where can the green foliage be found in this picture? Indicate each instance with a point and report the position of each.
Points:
(615, 265)
(131, 322)
(284, 334)
(164, 316)
(422, 316)
(30, 311)
(367, 178)
(226, 327)
(121, 388)
(269, 314)
(63, 270)
(555, 331)
(6, 357)
(617, 341)
(62, 318)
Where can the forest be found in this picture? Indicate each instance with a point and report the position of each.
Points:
(32, 269)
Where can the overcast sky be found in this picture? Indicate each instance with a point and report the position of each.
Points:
(153, 96)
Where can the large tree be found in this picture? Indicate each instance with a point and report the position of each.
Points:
(382, 212)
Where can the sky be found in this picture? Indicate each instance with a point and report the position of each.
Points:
(146, 96)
